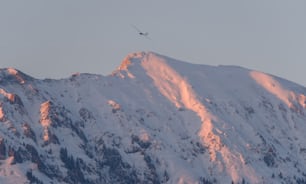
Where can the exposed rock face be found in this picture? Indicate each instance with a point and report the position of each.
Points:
(154, 120)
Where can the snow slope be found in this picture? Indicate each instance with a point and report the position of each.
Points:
(153, 120)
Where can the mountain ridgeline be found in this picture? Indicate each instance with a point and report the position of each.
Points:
(153, 120)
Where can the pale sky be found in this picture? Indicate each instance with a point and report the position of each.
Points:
(56, 38)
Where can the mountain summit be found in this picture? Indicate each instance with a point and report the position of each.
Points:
(155, 119)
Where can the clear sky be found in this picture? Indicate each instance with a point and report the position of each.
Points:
(56, 38)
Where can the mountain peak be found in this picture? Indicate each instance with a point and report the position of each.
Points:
(130, 59)
(137, 63)
(12, 74)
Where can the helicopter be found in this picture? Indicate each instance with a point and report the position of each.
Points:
(145, 34)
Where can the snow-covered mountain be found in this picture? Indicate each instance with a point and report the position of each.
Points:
(154, 120)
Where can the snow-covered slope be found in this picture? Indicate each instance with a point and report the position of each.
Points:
(154, 120)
